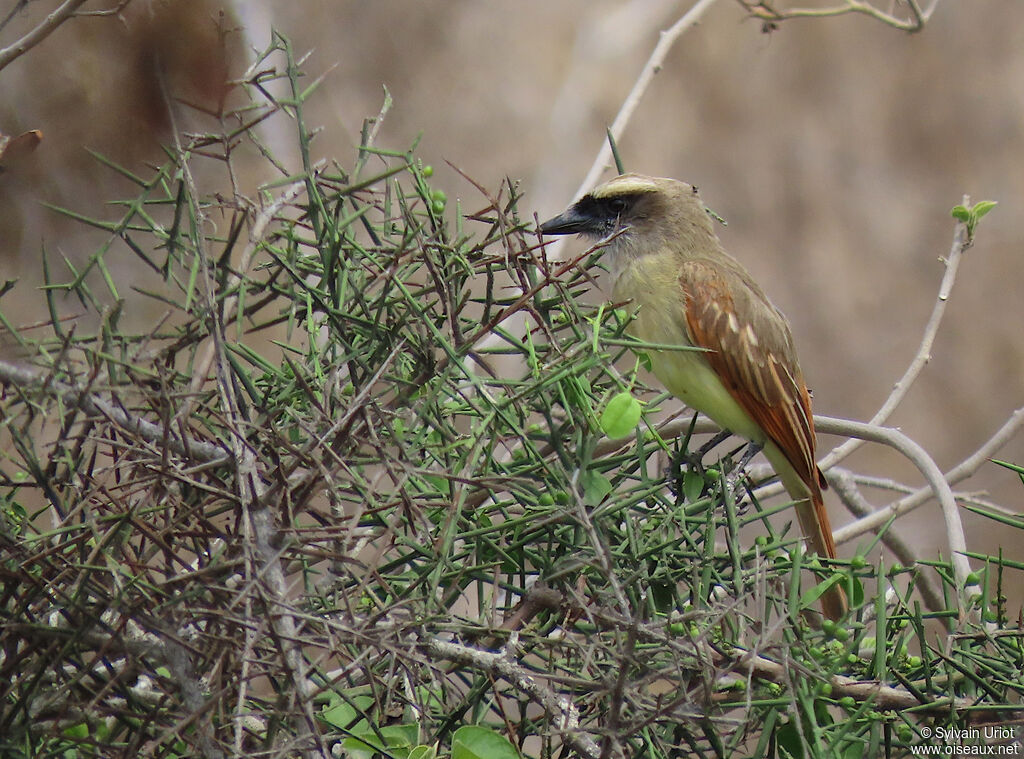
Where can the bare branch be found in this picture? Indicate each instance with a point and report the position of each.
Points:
(914, 23)
(924, 352)
(844, 484)
(926, 465)
(923, 495)
(42, 31)
(988, 449)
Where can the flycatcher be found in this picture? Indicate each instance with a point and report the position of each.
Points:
(664, 255)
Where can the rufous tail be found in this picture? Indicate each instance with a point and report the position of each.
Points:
(815, 525)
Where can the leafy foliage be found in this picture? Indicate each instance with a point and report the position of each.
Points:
(971, 216)
(369, 442)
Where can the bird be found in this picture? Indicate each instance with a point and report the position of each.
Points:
(663, 254)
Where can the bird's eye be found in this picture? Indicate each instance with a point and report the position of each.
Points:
(617, 205)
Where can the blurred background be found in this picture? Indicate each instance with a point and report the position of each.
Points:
(834, 148)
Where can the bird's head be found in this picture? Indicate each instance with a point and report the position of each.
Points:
(639, 215)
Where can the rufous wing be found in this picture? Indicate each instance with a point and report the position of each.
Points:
(750, 348)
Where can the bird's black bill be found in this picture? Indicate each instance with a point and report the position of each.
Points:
(572, 222)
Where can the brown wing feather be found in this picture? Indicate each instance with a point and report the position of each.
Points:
(750, 348)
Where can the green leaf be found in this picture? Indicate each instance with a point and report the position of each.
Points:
(595, 487)
(853, 750)
(423, 752)
(577, 392)
(693, 485)
(475, 742)
(982, 207)
(342, 714)
(79, 731)
(822, 716)
(788, 740)
(621, 415)
(398, 742)
(812, 595)
(961, 213)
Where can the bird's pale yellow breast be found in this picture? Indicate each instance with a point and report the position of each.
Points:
(651, 284)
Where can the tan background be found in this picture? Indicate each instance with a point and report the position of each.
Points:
(834, 148)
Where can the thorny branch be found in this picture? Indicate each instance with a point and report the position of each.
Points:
(194, 450)
(560, 710)
(260, 529)
(403, 540)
